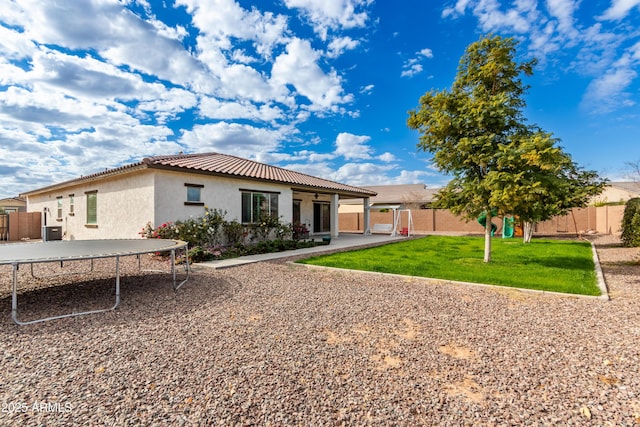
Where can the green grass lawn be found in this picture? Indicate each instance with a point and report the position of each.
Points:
(548, 265)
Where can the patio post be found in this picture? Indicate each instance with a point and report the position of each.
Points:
(367, 217)
(335, 198)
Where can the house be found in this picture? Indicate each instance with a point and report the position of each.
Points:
(617, 192)
(117, 203)
(13, 204)
(404, 196)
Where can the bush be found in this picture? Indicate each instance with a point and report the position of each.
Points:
(267, 225)
(165, 231)
(198, 254)
(203, 230)
(212, 237)
(233, 232)
(631, 223)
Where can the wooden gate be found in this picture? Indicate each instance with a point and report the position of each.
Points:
(4, 227)
(25, 225)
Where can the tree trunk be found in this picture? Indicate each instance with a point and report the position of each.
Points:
(487, 237)
(527, 231)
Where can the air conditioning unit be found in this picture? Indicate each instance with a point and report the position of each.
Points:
(51, 232)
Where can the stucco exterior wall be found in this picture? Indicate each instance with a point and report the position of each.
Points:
(124, 205)
(220, 193)
(127, 202)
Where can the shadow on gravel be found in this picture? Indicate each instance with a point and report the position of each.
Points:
(143, 297)
(623, 268)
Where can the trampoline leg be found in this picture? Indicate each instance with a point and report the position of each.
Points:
(186, 260)
(14, 300)
(14, 295)
(117, 283)
(173, 267)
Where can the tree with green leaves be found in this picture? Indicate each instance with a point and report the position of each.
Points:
(477, 133)
(631, 223)
(536, 180)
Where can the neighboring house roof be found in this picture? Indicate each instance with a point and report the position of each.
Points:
(631, 187)
(617, 192)
(399, 194)
(225, 165)
(13, 201)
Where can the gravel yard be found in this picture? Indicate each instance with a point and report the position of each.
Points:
(273, 343)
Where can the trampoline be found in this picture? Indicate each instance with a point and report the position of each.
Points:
(16, 254)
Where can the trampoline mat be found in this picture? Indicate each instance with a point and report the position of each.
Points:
(64, 250)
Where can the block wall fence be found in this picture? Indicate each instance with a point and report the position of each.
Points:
(601, 219)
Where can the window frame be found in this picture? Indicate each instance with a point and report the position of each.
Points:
(251, 201)
(72, 204)
(59, 207)
(191, 199)
(92, 211)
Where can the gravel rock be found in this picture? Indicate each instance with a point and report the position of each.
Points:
(279, 344)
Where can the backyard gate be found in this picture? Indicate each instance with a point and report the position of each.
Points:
(25, 225)
(4, 227)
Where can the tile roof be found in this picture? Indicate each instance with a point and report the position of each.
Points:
(630, 186)
(224, 164)
(400, 194)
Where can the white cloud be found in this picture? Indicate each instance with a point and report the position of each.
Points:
(14, 45)
(298, 66)
(608, 92)
(563, 11)
(619, 9)
(551, 32)
(413, 66)
(319, 169)
(362, 173)
(232, 138)
(456, 10)
(387, 157)
(367, 90)
(226, 110)
(352, 146)
(326, 15)
(219, 21)
(339, 45)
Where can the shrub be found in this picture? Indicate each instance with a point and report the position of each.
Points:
(233, 232)
(197, 254)
(203, 230)
(631, 223)
(167, 230)
(265, 226)
(299, 231)
(212, 237)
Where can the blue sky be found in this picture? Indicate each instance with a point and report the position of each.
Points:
(318, 86)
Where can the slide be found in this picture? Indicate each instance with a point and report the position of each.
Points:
(482, 219)
(508, 226)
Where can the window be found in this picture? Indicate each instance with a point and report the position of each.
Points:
(92, 207)
(71, 203)
(256, 204)
(59, 200)
(297, 204)
(194, 194)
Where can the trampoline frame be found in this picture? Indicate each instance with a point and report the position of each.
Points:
(172, 246)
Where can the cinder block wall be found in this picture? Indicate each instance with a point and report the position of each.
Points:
(603, 219)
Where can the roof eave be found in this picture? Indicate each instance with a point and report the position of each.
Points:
(344, 193)
(86, 179)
